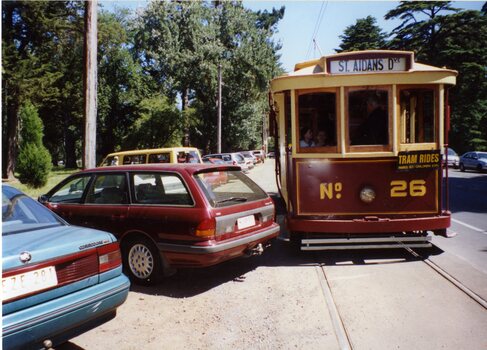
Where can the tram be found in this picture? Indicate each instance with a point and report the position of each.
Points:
(359, 140)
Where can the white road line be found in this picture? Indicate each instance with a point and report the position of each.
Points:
(469, 226)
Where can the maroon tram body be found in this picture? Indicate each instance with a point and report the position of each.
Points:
(357, 189)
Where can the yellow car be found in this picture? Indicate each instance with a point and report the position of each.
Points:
(155, 155)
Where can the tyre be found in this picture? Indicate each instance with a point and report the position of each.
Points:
(141, 261)
(462, 167)
(479, 168)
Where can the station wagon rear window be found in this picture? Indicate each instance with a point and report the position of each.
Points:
(225, 188)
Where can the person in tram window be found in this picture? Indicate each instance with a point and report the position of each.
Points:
(321, 139)
(374, 130)
(306, 138)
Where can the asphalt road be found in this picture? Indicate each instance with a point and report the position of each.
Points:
(320, 300)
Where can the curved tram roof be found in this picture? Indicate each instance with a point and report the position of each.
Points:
(359, 68)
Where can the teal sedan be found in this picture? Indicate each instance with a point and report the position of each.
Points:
(58, 280)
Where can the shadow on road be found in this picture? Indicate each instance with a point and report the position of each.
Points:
(190, 282)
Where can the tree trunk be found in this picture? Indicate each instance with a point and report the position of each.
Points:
(185, 105)
(12, 137)
(89, 84)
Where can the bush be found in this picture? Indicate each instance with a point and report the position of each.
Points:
(34, 165)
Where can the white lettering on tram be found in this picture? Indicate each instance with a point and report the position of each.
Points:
(359, 66)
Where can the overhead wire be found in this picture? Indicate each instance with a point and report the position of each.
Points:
(319, 19)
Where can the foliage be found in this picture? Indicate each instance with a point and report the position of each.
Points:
(181, 45)
(34, 162)
(159, 125)
(363, 35)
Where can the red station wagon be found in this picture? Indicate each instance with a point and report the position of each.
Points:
(168, 216)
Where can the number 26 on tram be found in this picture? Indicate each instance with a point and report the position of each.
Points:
(359, 140)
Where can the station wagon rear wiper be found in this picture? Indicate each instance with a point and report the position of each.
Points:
(232, 199)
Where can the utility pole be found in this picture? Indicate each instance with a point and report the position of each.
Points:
(219, 102)
(90, 83)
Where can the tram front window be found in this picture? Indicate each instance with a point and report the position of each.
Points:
(417, 116)
(317, 120)
(368, 117)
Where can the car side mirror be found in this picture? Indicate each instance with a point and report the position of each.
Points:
(43, 199)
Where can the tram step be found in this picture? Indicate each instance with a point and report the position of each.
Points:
(365, 243)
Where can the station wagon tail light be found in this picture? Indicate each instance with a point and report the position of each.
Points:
(206, 228)
(109, 257)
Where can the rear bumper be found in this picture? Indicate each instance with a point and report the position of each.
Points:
(178, 255)
(63, 318)
(369, 225)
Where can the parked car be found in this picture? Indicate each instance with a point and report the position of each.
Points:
(260, 154)
(213, 160)
(169, 216)
(249, 155)
(234, 158)
(270, 154)
(453, 158)
(473, 160)
(58, 280)
(154, 155)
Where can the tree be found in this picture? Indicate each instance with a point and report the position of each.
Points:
(34, 162)
(421, 28)
(364, 35)
(181, 45)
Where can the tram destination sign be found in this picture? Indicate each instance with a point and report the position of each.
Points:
(368, 65)
(418, 160)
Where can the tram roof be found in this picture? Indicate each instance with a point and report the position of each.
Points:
(351, 68)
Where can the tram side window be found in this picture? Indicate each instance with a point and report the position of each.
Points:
(417, 116)
(368, 115)
(317, 119)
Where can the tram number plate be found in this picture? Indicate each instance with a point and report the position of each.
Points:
(28, 282)
(246, 221)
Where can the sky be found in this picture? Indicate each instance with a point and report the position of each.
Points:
(323, 21)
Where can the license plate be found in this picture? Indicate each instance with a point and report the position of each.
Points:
(245, 222)
(28, 282)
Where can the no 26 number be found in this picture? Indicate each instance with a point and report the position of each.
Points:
(401, 188)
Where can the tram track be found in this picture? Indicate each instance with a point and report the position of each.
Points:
(343, 337)
(443, 273)
(341, 333)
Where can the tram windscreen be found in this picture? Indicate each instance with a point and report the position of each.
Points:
(368, 117)
(317, 119)
(417, 116)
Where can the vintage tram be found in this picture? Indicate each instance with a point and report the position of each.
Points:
(359, 139)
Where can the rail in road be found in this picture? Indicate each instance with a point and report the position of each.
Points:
(456, 327)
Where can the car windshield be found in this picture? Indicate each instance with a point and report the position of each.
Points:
(228, 187)
(451, 152)
(482, 155)
(22, 213)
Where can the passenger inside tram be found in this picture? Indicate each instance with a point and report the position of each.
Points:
(373, 126)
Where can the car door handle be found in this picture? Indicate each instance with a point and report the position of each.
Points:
(118, 217)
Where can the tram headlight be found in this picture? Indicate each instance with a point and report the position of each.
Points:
(367, 195)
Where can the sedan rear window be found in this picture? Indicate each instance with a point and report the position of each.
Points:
(21, 213)
(225, 188)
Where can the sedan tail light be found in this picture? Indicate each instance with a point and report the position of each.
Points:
(109, 257)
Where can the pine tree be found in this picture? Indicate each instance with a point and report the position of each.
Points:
(363, 35)
(34, 161)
